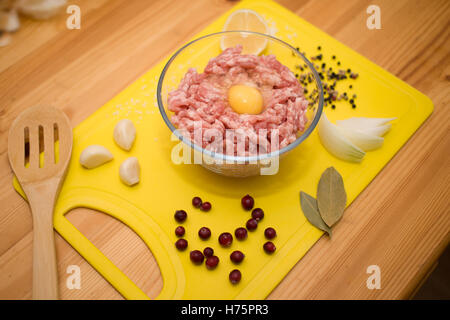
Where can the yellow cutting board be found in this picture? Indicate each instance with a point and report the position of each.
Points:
(148, 208)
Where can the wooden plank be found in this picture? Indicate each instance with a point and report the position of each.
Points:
(401, 222)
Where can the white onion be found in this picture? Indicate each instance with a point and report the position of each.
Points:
(363, 123)
(362, 140)
(336, 143)
(348, 138)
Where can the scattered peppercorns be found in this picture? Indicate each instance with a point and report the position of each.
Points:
(329, 78)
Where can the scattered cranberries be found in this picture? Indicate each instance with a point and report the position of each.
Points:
(270, 233)
(252, 224)
(181, 244)
(247, 202)
(269, 247)
(237, 256)
(258, 214)
(196, 202)
(197, 256)
(208, 252)
(180, 215)
(235, 276)
(225, 239)
(212, 262)
(204, 233)
(240, 233)
(179, 231)
(206, 206)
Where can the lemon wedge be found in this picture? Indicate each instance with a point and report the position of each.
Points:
(245, 20)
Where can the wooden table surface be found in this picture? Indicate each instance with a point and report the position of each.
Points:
(400, 222)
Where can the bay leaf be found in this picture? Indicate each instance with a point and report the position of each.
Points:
(311, 212)
(331, 196)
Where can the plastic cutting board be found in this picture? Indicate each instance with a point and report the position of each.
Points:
(148, 208)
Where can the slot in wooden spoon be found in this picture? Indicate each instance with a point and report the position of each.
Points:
(35, 130)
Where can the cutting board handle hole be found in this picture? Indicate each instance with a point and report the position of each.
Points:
(122, 246)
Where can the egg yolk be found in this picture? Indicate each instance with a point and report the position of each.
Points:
(245, 99)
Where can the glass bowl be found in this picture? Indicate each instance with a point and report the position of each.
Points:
(196, 54)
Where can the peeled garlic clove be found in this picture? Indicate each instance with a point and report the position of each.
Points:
(125, 134)
(130, 171)
(94, 156)
(336, 143)
(364, 141)
(9, 21)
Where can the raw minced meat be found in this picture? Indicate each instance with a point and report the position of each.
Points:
(201, 102)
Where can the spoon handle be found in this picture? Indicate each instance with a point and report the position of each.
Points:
(45, 272)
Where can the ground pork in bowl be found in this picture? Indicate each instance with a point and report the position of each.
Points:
(203, 93)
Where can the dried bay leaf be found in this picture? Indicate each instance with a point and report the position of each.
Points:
(331, 196)
(311, 212)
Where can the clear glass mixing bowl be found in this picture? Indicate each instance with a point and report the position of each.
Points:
(196, 54)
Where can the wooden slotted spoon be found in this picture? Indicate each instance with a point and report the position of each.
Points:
(36, 130)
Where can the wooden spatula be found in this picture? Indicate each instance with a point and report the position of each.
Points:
(32, 133)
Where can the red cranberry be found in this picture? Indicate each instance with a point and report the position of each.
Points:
(208, 252)
(197, 256)
(258, 214)
(225, 239)
(252, 224)
(235, 276)
(270, 233)
(179, 231)
(180, 215)
(240, 233)
(206, 206)
(196, 202)
(181, 244)
(204, 233)
(247, 202)
(212, 262)
(269, 247)
(237, 256)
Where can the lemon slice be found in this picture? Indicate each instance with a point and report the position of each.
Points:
(245, 20)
